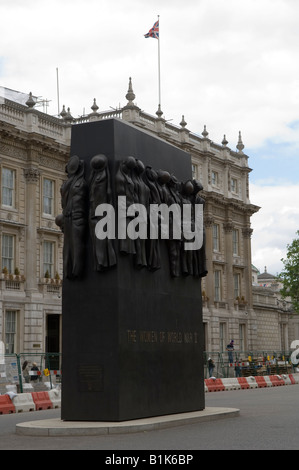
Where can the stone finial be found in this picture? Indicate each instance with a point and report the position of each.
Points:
(30, 102)
(204, 132)
(130, 94)
(183, 123)
(94, 107)
(159, 112)
(224, 141)
(240, 145)
(63, 112)
(68, 117)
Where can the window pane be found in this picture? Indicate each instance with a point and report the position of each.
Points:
(216, 237)
(194, 171)
(237, 285)
(8, 252)
(242, 337)
(234, 185)
(8, 187)
(48, 192)
(217, 283)
(10, 331)
(48, 258)
(235, 242)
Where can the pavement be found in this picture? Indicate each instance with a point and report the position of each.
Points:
(57, 427)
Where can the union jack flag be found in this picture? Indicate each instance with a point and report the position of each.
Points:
(153, 32)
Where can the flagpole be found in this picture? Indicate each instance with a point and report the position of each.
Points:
(159, 68)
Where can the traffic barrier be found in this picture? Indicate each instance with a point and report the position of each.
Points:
(215, 385)
(268, 381)
(289, 379)
(243, 383)
(55, 397)
(231, 384)
(6, 405)
(261, 382)
(276, 380)
(23, 402)
(296, 378)
(42, 401)
(52, 399)
(252, 382)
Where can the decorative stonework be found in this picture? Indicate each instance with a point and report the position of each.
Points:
(208, 221)
(12, 151)
(52, 163)
(247, 232)
(228, 227)
(31, 175)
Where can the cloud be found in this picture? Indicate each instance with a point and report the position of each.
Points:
(275, 225)
(229, 65)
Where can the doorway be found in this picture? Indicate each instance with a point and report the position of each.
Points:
(53, 340)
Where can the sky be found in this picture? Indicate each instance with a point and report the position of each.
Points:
(230, 65)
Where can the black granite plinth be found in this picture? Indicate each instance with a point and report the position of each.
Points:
(132, 338)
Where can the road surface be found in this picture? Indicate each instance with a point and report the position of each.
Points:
(268, 420)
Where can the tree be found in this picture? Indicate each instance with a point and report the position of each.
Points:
(290, 275)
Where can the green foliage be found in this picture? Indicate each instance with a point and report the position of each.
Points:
(290, 275)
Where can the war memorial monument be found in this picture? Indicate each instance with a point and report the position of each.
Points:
(131, 302)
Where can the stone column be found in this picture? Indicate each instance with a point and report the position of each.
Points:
(32, 178)
(228, 228)
(247, 232)
(208, 222)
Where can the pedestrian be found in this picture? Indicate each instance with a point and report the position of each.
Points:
(238, 369)
(33, 369)
(230, 348)
(25, 370)
(211, 366)
(268, 366)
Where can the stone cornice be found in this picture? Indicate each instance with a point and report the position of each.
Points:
(234, 204)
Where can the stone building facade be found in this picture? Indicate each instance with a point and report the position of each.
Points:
(34, 149)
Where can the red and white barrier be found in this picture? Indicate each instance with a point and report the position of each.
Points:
(16, 403)
(216, 385)
(6, 405)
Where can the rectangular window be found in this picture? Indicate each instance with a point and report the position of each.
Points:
(242, 337)
(237, 286)
(10, 331)
(48, 248)
(48, 196)
(214, 178)
(194, 171)
(8, 187)
(216, 237)
(222, 336)
(8, 253)
(283, 335)
(234, 185)
(217, 286)
(235, 242)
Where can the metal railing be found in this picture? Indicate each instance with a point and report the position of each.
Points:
(247, 363)
(29, 372)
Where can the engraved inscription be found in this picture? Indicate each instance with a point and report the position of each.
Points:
(170, 337)
(90, 378)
